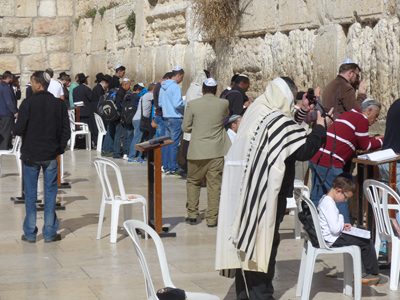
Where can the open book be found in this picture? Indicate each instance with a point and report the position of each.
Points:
(366, 234)
(381, 155)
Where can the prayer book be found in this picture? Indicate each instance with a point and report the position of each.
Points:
(365, 234)
(381, 155)
(79, 103)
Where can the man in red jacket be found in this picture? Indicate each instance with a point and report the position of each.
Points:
(344, 136)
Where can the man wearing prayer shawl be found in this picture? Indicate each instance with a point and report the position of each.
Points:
(258, 176)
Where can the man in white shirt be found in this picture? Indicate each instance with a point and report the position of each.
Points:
(334, 228)
(55, 87)
(234, 122)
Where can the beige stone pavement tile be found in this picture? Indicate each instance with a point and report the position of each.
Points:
(22, 286)
(59, 294)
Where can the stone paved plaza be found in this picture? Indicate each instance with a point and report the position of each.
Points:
(82, 267)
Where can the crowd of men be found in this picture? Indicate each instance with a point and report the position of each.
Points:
(244, 149)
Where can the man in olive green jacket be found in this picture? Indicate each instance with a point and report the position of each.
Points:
(209, 144)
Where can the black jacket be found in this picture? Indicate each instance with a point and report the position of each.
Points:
(236, 101)
(114, 82)
(97, 92)
(83, 93)
(392, 137)
(119, 98)
(44, 126)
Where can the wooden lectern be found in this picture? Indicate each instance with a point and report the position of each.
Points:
(154, 200)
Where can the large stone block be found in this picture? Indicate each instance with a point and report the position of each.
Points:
(295, 14)
(47, 8)
(259, 16)
(79, 65)
(10, 63)
(7, 45)
(34, 63)
(26, 8)
(58, 44)
(98, 63)
(161, 62)
(17, 27)
(122, 12)
(60, 61)
(65, 8)
(343, 11)
(32, 45)
(45, 26)
(1, 26)
(83, 36)
(7, 8)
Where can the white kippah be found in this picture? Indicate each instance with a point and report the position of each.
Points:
(141, 84)
(126, 79)
(154, 82)
(368, 99)
(348, 61)
(210, 82)
(117, 67)
(243, 75)
(177, 68)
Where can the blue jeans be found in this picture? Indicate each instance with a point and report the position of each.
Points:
(173, 128)
(137, 138)
(108, 144)
(318, 175)
(161, 132)
(119, 134)
(128, 137)
(31, 175)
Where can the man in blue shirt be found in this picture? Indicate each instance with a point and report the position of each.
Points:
(172, 104)
(8, 110)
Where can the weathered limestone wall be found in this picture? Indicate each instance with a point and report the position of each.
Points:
(35, 35)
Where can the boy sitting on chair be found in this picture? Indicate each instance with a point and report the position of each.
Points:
(332, 225)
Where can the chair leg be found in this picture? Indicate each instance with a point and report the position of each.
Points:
(309, 272)
(144, 207)
(99, 142)
(357, 265)
(89, 139)
(72, 139)
(302, 270)
(394, 265)
(101, 217)
(297, 225)
(19, 165)
(127, 214)
(347, 274)
(114, 222)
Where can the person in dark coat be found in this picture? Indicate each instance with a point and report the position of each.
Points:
(98, 91)
(115, 81)
(8, 110)
(238, 100)
(65, 79)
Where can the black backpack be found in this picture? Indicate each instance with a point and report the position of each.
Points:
(129, 108)
(305, 218)
(106, 107)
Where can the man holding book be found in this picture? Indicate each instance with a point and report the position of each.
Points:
(348, 133)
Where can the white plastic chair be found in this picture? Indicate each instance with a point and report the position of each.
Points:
(378, 194)
(16, 151)
(101, 132)
(130, 227)
(115, 201)
(310, 254)
(84, 130)
(292, 206)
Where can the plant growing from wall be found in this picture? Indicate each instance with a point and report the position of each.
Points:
(92, 13)
(217, 19)
(76, 21)
(102, 11)
(131, 22)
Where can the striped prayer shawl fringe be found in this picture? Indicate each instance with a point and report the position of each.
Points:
(275, 133)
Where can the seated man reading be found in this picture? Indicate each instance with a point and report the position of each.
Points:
(332, 225)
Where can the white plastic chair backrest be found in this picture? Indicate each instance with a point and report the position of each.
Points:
(378, 194)
(99, 122)
(72, 122)
(17, 145)
(101, 168)
(71, 114)
(315, 218)
(131, 226)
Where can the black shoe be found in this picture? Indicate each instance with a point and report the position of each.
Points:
(117, 157)
(191, 221)
(56, 239)
(24, 239)
(211, 226)
(106, 154)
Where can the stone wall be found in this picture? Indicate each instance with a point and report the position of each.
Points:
(306, 40)
(35, 35)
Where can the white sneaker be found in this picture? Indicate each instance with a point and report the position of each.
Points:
(162, 169)
(125, 157)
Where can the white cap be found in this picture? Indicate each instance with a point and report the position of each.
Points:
(210, 82)
(126, 79)
(368, 99)
(177, 68)
(348, 61)
(141, 84)
(117, 67)
(243, 75)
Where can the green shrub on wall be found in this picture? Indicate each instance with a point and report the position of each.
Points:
(102, 11)
(131, 22)
(92, 13)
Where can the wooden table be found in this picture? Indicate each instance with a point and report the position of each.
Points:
(154, 200)
(372, 173)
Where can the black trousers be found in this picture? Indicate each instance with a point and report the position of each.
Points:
(7, 125)
(368, 253)
(259, 284)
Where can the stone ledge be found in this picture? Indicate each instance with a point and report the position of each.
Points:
(168, 11)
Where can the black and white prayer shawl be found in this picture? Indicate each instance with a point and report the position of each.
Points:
(252, 178)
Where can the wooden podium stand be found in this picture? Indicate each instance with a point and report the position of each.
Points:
(154, 200)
